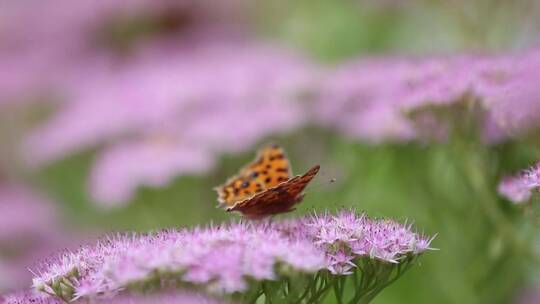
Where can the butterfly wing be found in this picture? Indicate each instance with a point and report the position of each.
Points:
(270, 168)
(278, 199)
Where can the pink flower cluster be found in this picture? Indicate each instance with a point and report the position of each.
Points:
(166, 105)
(28, 297)
(173, 109)
(519, 188)
(167, 297)
(172, 112)
(221, 258)
(69, 45)
(346, 236)
(372, 99)
(173, 102)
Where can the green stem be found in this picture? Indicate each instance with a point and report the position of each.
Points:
(321, 291)
(267, 295)
(253, 299)
(337, 290)
(310, 287)
(372, 294)
(487, 200)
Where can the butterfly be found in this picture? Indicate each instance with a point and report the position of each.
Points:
(264, 187)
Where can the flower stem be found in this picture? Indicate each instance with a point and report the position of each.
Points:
(471, 165)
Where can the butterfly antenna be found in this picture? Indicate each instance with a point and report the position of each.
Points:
(324, 183)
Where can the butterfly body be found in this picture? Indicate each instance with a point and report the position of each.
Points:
(264, 187)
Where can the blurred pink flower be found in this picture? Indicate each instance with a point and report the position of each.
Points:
(519, 188)
(120, 169)
(511, 93)
(218, 85)
(205, 100)
(528, 295)
(190, 71)
(68, 39)
(513, 188)
(351, 101)
(28, 231)
(371, 99)
(368, 99)
(24, 213)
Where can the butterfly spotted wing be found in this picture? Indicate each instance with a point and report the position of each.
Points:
(270, 168)
(264, 187)
(279, 199)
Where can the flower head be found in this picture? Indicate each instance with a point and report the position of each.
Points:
(222, 258)
(164, 297)
(26, 297)
(519, 188)
(372, 99)
(347, 236)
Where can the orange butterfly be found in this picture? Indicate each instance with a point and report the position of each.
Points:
(265, 186)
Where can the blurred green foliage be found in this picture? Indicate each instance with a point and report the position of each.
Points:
(335, 30)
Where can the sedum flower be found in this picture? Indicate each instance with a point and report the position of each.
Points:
(346, 236)
(28, 297)
(238, 258)
(519, 188)
(374, 99)
(514, 189)
(165, 297)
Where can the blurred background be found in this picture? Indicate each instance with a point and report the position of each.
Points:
(123, 115)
